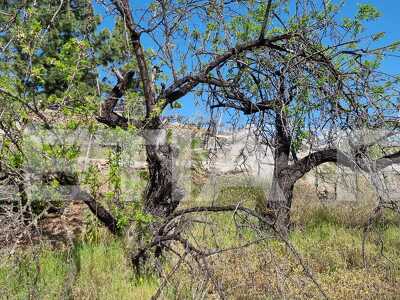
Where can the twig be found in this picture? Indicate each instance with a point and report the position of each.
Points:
(265, 22)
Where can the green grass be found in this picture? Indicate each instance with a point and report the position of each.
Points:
(33, 275)
(89, 271)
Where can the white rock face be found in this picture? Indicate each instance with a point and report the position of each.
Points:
(240, 151)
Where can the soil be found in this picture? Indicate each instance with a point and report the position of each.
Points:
(66, 227)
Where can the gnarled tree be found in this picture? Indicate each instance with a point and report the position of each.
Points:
(321, 85)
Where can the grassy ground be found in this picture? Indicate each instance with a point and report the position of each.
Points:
(331, 250)
(88, 271)
(328, 237)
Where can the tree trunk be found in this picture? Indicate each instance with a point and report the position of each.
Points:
(163, 193)
(280, 197)
(279, 203)
(279, 200)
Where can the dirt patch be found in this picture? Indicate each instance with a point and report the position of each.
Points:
(66, 227)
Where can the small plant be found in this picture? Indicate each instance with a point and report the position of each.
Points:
(114, 174)
(92, 179)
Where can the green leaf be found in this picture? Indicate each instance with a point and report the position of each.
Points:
(378, 36)
(367, 12)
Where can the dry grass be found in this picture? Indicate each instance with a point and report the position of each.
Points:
(328, 236)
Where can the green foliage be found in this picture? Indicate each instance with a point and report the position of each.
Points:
(16, 160)
(299, 137)
(143, 175)
(50, 59)
(91, 178)
(133, 105)
(367, 12)
(177, 105)
(142, 219)
(253, 196)
(57, 52)
(378, 36)
(122, 220)
(170, 136)
(60, 151)
(114, 170)
(158, 108)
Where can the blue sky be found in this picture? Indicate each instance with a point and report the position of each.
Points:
(388, 23)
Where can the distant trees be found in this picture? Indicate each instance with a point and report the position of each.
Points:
(44, 63)
(50, 59)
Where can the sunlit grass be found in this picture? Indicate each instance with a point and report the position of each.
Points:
(89, 271)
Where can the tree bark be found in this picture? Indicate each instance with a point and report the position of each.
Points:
(280, 196)
(70, 180)
(163, 193)
(279, 203)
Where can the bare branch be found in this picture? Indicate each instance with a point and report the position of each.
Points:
(77, 193)
(265, 21)
(107, 114)
(315, 159)
(148, 85)
(186, 84)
